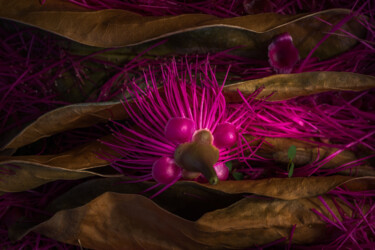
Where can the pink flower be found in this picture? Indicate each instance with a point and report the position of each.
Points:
(187, 126)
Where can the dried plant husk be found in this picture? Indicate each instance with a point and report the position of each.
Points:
(21, 176)
(63, 119)
(294, 188)
(190, 200)
(279, 188)
(185, 33)
(26, 172)
(288, 86)
(307, 152)
(113, 220)
(283, 86)
(308, 155)
(25, 176)
(194, 199)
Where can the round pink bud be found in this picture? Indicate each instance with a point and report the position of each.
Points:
(282, 54)
(222, 171)
(225, 135)
(165, 170)
(179, 129)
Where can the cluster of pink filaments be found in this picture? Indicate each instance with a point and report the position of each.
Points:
(178, 114)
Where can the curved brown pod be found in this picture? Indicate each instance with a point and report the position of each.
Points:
(189, 33)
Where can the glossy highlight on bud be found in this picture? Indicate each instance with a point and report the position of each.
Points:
(222, 171)
(165, 170)
(179, 129)
(225, 135)
(282, 54)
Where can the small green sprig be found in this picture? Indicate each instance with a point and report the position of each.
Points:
(291, 155)
(229, 165)
(236, 175)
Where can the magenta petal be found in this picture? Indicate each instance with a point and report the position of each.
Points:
(282, 54)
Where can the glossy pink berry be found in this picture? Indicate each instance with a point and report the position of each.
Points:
(179, 129)
(225, 135)
(165, 170)
(282, 55)
(222, 171)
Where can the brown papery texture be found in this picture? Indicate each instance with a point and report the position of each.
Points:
(186, 202)
(292, 85)
(30, 171)
(105, 28)
(308, 152)
(63, 119)
(294, 188)
(115, 221)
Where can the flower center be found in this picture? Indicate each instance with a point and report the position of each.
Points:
(199, 155)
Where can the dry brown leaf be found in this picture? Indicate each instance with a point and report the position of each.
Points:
(224, 193)
(18, 175)
(305, 156)
(307, 152)
(292, 85)
(63, 119)
(359, 171)
(79, 158)
(116, 221)
(192, 32)
(25, 176)
(256, 221)
(31, 171)
(193, 200)
(294, 188)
